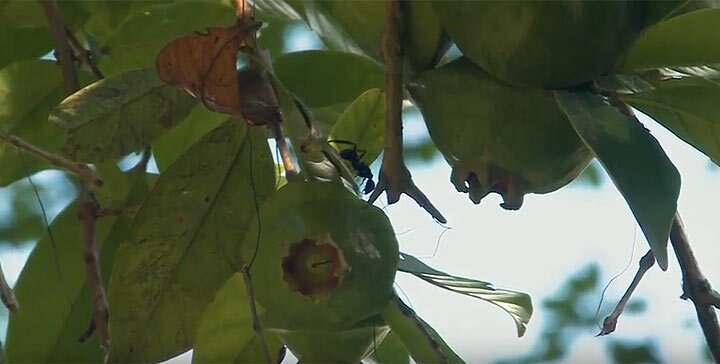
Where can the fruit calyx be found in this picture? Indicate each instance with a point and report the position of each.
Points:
(314, 267)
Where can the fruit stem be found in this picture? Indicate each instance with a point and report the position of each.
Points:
(395, 178)
(257, 328)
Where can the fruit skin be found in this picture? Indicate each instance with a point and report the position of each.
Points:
(363, 23)
(498, 138)
(338, 221)
(542, 43)
(347, 346)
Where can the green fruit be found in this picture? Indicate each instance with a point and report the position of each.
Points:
(325, 260)
(498, 138)
(542, 43)
(347, 346)
(358, 26)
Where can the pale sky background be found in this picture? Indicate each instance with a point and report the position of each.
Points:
(535, 250)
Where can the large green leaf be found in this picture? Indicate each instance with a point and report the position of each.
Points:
(52, 288)
(29, 90)
(391, 351)
(23, 31)
(405, 323)
(688, 107)
(225, 332)
(635, 161)
(363, 123)
(322, 78)
(119, 115)
(171, 145)
(517, 304)
(185, 243)
(685, 40)
(138, 40)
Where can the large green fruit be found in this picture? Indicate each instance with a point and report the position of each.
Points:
(498, 138)
(325, 260)
(543, 43)
(358, 26)
(346, 346)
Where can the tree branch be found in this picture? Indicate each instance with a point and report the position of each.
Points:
(63, 51)
(6, 293)
(88, 209)
(84, 55)
(395, 178)
(696, 287)
(82, 171)
(610, 322)
(88, 215)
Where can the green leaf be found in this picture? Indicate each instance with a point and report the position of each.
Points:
(225, 332)
(171, 145)
(687, 107)
(635, 161)
(363, 123)
(29, 90)
(404, 322)
(119, 115)
(185, 243)
(23, 32)
(55, 300)
(139, 39)
(391, 351)
(517, 304)
(685, 40)
(322, 78)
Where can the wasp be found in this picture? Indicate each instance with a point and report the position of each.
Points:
(354, 156)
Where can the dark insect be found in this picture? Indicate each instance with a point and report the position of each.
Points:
(354, 156)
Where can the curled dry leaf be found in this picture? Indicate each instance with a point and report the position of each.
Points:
(204, 65)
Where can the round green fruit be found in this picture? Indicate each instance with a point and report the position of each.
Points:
(543, 43)
(346, 346)
(497, 137)
(358, 26)
(325, 260)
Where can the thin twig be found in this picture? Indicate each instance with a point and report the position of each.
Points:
(84, 55)
(88, 203)
(287, 161)
(610, 322)
(80, 170)
(88, 216)
(63, 51)
(696, 287)
(6, 293)
(395, 178)
(257, 328)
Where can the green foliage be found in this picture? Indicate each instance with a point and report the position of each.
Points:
(225, 334)
(688, 107)
(29, 90)
(23, 33)
(196, 216)
(53, 286)
(413, 333)
(363, 123)
(119, 115)
(685, 40)
(634, 160)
